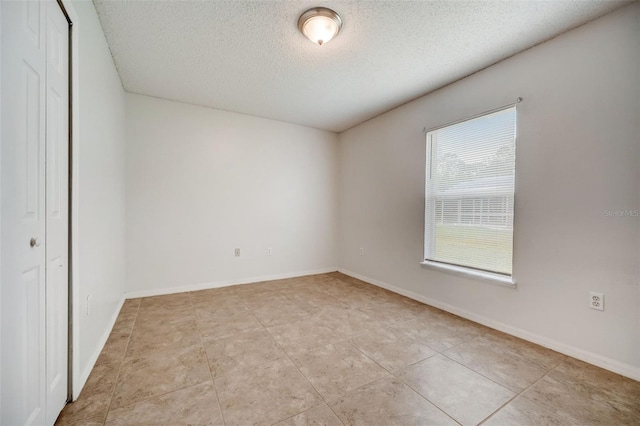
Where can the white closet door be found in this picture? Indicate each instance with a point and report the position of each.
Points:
(33, 359)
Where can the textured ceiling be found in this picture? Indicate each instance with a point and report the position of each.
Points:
(248, 56)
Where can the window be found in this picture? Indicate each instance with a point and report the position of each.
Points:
(470, 181)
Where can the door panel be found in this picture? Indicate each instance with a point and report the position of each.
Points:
(32, 407)
(57, 153)
(32, 22)
(56, 352)
(54, 136)
(33, 143)
(23, 202)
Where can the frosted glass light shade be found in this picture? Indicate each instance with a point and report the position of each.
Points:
(320, 24)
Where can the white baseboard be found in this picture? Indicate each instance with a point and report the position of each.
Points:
(219, 284)
(621, 368)
(78, 385)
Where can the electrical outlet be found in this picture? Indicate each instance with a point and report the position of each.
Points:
(269, 251)
(88, 304)
(237, 252)
(361, 251)
(596, 301)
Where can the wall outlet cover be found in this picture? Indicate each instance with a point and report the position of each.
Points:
(596, 301)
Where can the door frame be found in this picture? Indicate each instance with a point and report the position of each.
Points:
(0, 202)
(74, 382)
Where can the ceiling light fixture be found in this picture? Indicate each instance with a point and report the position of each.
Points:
(320, 24)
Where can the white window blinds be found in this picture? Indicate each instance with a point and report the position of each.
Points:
(470, 191)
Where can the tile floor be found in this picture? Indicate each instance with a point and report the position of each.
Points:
(332, 350)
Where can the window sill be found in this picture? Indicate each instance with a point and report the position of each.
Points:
(472, 273)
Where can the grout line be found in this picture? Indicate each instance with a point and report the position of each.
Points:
(333, 342)
(259, 322)
(307, 380)
(151, 396)
(151, 355)
(404, 342)
(379, 325)
(395, 375)
(425, 398)
(417, 362)
(324, 401)
(286, 355)
(297, 368)
(368, 357)
(345, 340)
(335, 414)
(436, 352)
(488, 330)
(477, 372)
(397, 378)
(520, 393)
(309, 409)
(213, 382)
(391, 374)
(124, 355)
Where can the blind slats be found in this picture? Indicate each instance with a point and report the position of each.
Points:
(470, 191)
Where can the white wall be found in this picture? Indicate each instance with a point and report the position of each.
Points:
(99, 185)
(578, 154)
(1, 204)
(202, 182)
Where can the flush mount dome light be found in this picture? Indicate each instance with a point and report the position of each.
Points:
(320, 24)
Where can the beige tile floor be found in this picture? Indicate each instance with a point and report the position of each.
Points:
(332, 350)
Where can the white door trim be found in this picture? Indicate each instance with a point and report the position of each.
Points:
(1, 204)
(56, 215)
(76, 383)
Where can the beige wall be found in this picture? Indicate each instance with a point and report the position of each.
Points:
(578, 155)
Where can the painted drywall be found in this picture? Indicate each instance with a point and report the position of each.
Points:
(1, 204)
(99, 243)
(578, 157)
(203, 182)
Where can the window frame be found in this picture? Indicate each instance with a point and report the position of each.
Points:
(429, 237)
